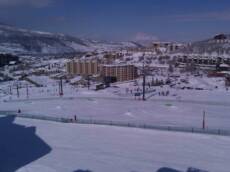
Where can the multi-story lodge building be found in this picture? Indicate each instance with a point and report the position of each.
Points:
(121, 72)
(83, 67)
(202, 59)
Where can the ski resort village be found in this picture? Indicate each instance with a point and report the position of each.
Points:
(70, 104)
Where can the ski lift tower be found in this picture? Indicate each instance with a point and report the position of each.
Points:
(144, 72)
(61, 93)
(88, 81)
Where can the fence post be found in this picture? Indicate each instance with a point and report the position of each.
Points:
(203, 122)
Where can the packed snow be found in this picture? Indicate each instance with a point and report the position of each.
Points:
(100, 148)
(182, 107)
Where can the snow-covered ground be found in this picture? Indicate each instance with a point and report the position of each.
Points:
(102, 149)
(182, 108)
(150, 112)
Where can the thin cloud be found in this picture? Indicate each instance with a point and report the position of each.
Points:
(142, 36)
(196, 17)
(33, 3)
(209, 16)
(60, 19)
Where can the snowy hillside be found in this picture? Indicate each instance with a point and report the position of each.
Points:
(21, 41)
(219, 44)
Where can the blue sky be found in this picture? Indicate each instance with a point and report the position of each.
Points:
(179, 20)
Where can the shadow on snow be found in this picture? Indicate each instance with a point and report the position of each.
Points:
(19, 145)
(166, 169)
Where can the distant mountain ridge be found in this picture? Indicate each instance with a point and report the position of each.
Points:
(21, 41)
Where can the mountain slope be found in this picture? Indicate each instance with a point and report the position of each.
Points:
(21, 41)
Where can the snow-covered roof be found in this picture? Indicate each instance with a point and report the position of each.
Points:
(76, 79)
(117, 65)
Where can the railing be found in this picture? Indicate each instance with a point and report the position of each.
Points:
(39, 117)
(121, 124)
(155, 127)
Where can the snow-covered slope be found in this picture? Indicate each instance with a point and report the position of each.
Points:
(56, 147)
(21, 41)
(219, 44)
(109, 45)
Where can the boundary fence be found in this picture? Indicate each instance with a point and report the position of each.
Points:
(120, 124)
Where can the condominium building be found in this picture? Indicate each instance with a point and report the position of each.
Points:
(83, 67)
(202, 60)
(120, 72)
